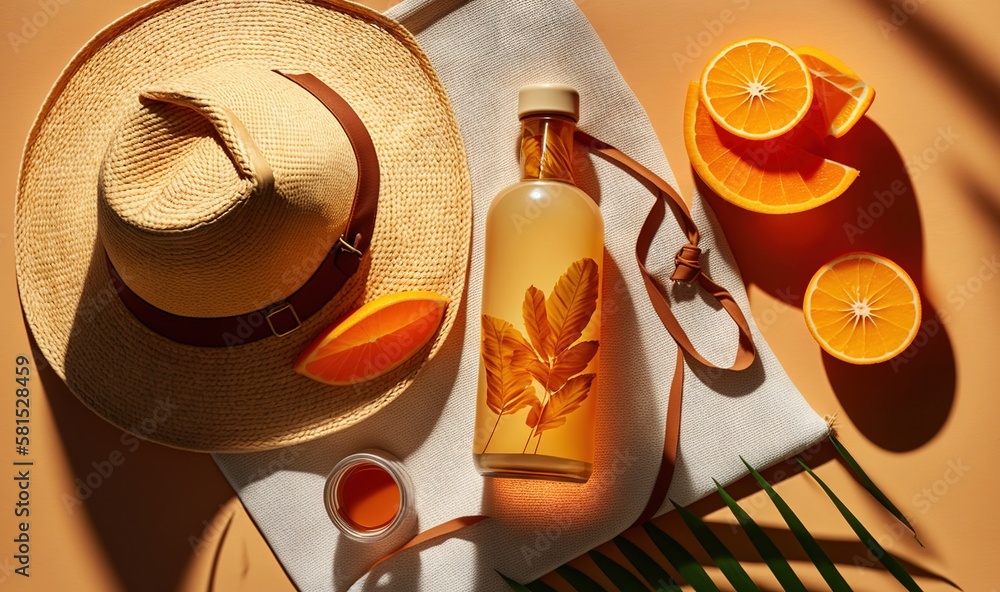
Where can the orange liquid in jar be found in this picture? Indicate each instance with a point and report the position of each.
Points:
(368, 497)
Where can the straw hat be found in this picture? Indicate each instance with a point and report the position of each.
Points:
(197, 202)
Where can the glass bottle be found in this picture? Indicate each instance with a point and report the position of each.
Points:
(540, 321)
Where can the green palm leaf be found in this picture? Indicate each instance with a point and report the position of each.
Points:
(868, 484)
(876, 549)
(579, 580)
(764, 545)
(539, 586)
(723, 559)
(819, 558)
(657, 577)
(619, 576)
(682, 561)
(513, 585)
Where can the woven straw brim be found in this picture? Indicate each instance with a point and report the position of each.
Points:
(246, 397)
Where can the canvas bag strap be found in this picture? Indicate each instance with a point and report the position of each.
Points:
(688, 270)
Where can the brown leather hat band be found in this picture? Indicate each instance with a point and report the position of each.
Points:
(341, 262)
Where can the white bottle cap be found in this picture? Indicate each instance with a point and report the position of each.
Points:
(548, 99)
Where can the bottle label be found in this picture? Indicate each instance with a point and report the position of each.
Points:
(545, 371)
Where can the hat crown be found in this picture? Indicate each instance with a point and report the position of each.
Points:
(223, 190)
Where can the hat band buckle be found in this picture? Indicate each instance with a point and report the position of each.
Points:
(287, 306)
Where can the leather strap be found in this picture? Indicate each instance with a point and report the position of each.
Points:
(341, 262)
(688, 270)
(361, 222)
(436, 532)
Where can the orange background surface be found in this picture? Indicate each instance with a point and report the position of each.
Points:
(925, 429)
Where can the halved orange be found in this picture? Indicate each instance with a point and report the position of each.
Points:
(840, 94)
(862, 308)
(769, 176)
(757, 88)
(375, 339)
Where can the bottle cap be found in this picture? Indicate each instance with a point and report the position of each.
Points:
(548, 99)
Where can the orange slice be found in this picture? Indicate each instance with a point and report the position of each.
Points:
(862, 308)
(770, 176)
(757, 89)
(840, 94)
(375, 339)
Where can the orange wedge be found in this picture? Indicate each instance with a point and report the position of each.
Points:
(757, 89)
(770, 176)
(862, 308)
(375, 339)
(840, 94)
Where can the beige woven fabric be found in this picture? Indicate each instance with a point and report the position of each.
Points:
(170, 185)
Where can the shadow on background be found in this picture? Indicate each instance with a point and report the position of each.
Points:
(148, 503)
(981, 196)
(943, 48)
(901, 404)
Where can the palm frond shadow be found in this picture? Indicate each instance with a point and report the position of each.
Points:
(652, 558)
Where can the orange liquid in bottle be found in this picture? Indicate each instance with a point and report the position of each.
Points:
(540, 317)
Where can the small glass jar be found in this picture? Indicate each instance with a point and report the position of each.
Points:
(368, 495)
